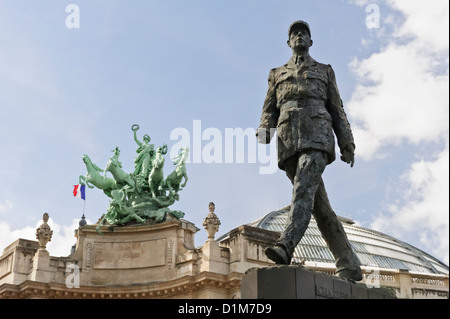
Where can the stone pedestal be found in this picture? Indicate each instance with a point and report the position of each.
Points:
(41, 266)
(212, 259)
(132, 254)
(295, 282)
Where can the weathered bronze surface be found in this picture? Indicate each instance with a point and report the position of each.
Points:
(304, 106)
(144, 195)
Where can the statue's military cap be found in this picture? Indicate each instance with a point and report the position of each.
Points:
(299, 23)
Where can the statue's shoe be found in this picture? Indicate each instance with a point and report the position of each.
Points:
(278, 255)
(352, 274)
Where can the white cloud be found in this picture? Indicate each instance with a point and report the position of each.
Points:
(5, 206)
(423, 206)
(8, 236)
(398, 97)
(63, 238)
(402, 96)
(60, 245)
(428, 23)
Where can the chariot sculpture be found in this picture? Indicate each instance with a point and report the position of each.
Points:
(144, 195)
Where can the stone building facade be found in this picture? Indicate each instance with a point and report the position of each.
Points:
(161, 261)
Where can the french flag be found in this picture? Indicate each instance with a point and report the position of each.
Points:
(79, 191)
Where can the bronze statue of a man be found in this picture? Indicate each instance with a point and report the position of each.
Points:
(304, 105)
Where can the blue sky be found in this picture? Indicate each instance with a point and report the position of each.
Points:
(164, 64)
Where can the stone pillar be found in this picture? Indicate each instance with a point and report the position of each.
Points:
(404, 279)
(41, 261)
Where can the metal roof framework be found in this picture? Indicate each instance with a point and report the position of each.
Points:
(373, 248)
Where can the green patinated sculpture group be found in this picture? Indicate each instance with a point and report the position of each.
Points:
(143, 195)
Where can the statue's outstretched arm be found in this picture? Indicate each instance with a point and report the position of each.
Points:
(136, 139)
(135, 128)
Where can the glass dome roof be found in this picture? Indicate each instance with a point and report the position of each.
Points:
(373, 248)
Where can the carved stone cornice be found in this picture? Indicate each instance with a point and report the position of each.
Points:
(186, 287)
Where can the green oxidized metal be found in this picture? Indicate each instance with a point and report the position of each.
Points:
(144, 195)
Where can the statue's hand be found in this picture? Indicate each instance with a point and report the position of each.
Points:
(348, 154)
(263, 135)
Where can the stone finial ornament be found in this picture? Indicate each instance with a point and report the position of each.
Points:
(44, 233)
(211, 222)
(82, 221)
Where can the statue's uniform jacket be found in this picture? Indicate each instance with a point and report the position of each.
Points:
(304, 104)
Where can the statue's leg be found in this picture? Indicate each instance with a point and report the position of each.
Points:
(158, 188)
(149, 181)
(124, 220)
(334, 235)
(100, 223)
(185, 180)
(169, 187)
(137, 218)
(290, 167)
(308, 171)
(89, 184)
(152, 187)
(85, 180)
